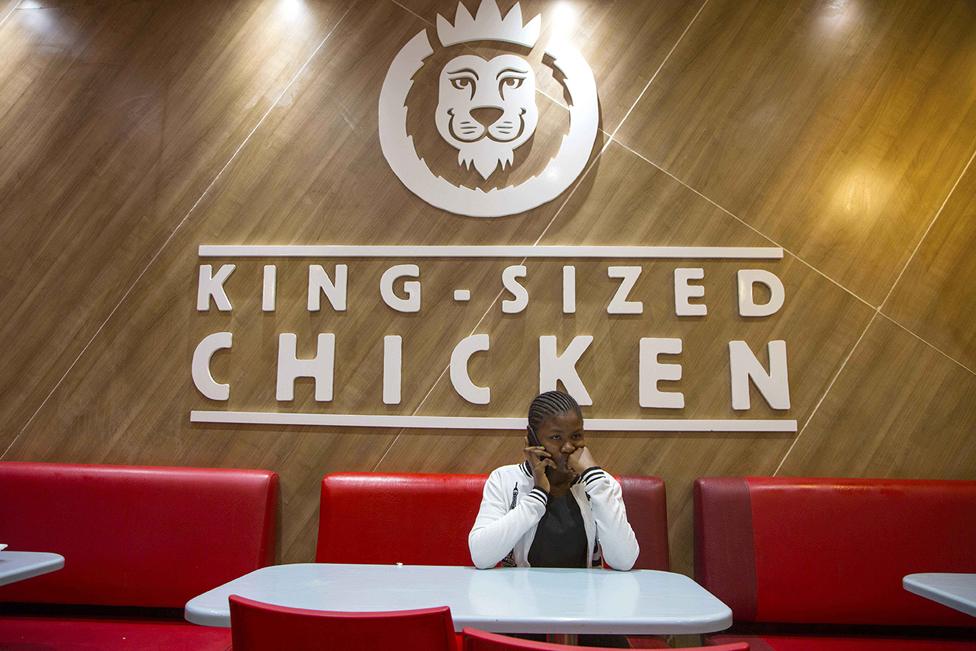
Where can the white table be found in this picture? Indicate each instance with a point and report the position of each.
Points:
(17, 566)
(953, 590)
(501, 600)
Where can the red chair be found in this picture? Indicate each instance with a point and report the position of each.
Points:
(475, 640)
(257, 626)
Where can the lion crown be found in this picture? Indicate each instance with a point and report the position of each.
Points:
(488, 25)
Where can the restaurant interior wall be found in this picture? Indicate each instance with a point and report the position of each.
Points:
(843, 132)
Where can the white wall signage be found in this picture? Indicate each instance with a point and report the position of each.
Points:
(504, 84)
(401, 289)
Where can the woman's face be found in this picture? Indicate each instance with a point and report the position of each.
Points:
(560, 435)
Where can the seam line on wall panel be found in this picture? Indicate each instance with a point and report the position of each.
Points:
(186, 217)
(659, 68)
(579, 182)
(10, 13)
(624, 119)
(748, 225)
(412, 12)
(928, 343)
(554, 100)
(926, 233)
(825, 393)
(877, 312)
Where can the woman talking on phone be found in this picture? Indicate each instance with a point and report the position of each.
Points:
(557, 508)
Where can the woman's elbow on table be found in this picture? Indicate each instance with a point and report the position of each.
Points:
(622, 560)
(482, 558)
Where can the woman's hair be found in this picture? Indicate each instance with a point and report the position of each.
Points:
(549, 404)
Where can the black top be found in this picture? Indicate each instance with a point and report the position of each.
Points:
(560, 538)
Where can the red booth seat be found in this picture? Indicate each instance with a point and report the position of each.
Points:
(424, 519)
(833, 552)
(133, 537)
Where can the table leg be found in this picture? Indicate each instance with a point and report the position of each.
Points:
(679, 641)
(563, 638)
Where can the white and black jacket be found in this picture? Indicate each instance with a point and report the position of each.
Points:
(512, 507)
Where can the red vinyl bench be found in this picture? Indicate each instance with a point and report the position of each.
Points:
(138, 542)
(817, 564)
(424, 519)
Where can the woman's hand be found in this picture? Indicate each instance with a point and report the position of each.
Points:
(539, 460)
(581, 459)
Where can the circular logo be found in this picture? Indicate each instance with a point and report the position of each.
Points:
(486, 109)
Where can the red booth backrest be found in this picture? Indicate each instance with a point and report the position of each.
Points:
(832, 551)
(424, 519)
(135, 536)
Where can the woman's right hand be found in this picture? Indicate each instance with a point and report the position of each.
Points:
(539, 460)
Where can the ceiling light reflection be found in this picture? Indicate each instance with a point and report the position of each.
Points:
(838, 15)
(860, 195)
(292, 10)
(563, 18)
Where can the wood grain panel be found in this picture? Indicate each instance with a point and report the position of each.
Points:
(935, 297)
(836, 129)
(115, 118)
(7, 7)
(819, 321)
(314, 173)
(899, 409)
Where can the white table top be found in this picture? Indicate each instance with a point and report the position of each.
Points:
(953, 590)
(501, 600)
(17, 566)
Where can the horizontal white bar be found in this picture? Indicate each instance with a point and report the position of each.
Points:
(344, 251)
(481, 422)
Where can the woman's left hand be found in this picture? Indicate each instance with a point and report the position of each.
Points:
(581, 459)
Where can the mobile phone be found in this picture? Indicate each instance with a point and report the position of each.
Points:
(534, 438)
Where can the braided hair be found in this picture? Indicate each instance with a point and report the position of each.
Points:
(550, 404)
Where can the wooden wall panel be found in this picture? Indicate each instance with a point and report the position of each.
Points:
(899, 409)
(935, 297)
(836, 129)
(7, 8)
(114, 118)
(111, 130)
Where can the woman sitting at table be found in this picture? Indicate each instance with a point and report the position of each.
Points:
(556, 509)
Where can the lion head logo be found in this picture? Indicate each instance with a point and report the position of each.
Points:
(486, 110)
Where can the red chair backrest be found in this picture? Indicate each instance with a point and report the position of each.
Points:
(136, 536)
(257, 626)
(475, 640)
(832, 551)
(424, 519)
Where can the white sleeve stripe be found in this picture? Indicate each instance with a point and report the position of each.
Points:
(593, 474)
(539, 495)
